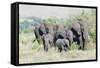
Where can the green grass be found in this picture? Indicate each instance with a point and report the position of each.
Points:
(30, 52)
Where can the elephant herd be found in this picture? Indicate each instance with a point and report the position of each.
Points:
(61, 37)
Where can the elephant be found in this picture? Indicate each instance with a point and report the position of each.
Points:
(62, 44)
(43, 29)
(39, 30)
(36, 32)
(47, 41)
(59, 33)
(80, 33)
(50, 28)
(84, 31)
(64, 33)
(69, 35)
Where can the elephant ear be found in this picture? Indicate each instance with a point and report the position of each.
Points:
(42, 29)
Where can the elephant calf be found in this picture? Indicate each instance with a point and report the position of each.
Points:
(62, 44)
(69, 35)
(47, 41)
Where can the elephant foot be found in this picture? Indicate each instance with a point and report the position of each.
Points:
(60, 50)
(46, 50)
(65, 50)
(80, 48)
(69, 48)
(83, 48)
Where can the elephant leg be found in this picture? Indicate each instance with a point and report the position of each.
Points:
(45, 46)
(55, 46)
(38, 40)
(70, 43)
(46, 49)
(84, 43)
(84, 38)
(68, 47)
(51, 43)
(59, 49)
(37, 36)
(80, 43)
(65, 48)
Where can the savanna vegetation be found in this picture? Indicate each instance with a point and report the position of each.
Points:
(32, 52)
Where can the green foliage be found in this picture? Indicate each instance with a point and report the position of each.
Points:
(50, 19)
(90, 18)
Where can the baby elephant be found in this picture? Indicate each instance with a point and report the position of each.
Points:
(47, 41)
(62, 44)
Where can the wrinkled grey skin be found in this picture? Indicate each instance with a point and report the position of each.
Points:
(77, 32)
(42, 29)
(62, 44)
(39, 30)
(69, 36)
(80, 33)
(47, 41)
(84, 32)
(64, 33)
(59, 33)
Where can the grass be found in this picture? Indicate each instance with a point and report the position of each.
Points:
(30, 52)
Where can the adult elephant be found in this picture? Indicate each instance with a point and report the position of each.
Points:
(46, 28)
(80, 33)
(84, 32)
(45, 33)
(39, 30)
